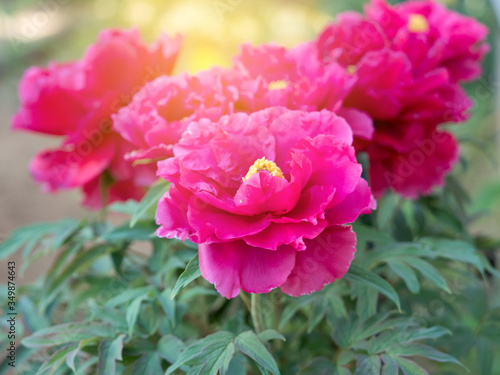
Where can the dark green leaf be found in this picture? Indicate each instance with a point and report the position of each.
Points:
(364, 277)
(191, 273)
(406, 273)
(249, 343)
(319, 366)
(429, 272)
(170, 347)
(367, 364)
(410, 367)
(52, 364)
(404, 350)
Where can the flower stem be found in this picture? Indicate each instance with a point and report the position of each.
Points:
(256, 313)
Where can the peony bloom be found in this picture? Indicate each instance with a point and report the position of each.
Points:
(158, 114)
(267, 196)
(76, 101)
(406, 66)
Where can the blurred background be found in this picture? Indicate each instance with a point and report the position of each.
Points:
(35, 32)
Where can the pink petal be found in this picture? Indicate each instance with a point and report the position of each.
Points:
(356, 203)
(232, 266)
(326, 259)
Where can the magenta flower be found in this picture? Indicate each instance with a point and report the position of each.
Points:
(267, 197)
(406, 64)
(158, 114)
(433, 36)
(76, 100)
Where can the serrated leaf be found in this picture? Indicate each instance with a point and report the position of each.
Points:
(66, 333)
(405, 272)
(364, 277)
(192, 272)
(250, 344)
(109, 352)
(271, 334)
(151, 198)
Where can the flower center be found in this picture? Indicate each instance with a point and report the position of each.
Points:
(418, 24)
(351, 69)
(264, 165)
(278, 85)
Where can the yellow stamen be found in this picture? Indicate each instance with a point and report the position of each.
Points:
(351, 69)
(277, 85)
(418, 24)
(264, 165)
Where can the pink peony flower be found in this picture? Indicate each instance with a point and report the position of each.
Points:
(158, 114)
(76, 100)
(267, 197)
(433, 36)
(406, 64)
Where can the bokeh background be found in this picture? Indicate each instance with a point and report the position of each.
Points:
(35, 32)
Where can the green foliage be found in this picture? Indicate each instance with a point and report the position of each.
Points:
(419, 298)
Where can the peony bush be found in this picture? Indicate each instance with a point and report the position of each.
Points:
(292, 213)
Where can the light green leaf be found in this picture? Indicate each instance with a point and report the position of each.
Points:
(52, 364)
(148, 364)
(142, 231)
(271, 334)
(249, 343)
(66, 333)
(128, 295)
(151, 198)
(191, 273)
(364, 277)
(170, 347)
(132, 313)
(109, 351)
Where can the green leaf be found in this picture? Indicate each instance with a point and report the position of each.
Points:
(66, 333)
(207, 355)
(364, 277)
(405, 272)
(167, 304)
(410, 367)
(170, 347)
(367, 364)
(291, 309)
(150, 199)
(423, 351)
(70, 358)
(109, 351)
(237, 365)
(249, 343)
(191, 273)
(456, 250)
(128, 295)
(132, 313)
(429, 272)
(31, 235)
(390, 366)
(485, 355)
(142, 231)
(52, 364)
(148, 364)
(82, 261)
(271, 334)
(319, 366)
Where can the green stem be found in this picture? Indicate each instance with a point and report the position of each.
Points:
(255, 313)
